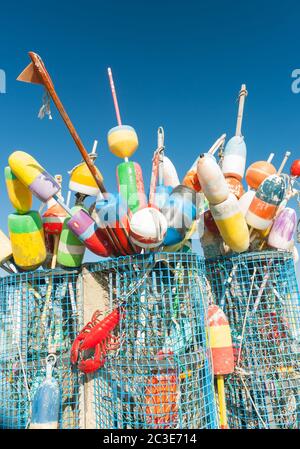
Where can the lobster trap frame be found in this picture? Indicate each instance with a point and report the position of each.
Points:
(39, 315)
(160, 374)
(259, 294)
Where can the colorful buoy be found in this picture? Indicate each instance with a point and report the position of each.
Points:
(18, 194)
(27, 240)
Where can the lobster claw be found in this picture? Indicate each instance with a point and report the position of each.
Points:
(92, 364)
(75, 349)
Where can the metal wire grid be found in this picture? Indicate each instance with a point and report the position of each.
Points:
(259, 294)
(38, 315)
(160, 375)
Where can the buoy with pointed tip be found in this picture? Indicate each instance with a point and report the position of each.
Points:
(191, 178)
(234, 160)
(211, 179)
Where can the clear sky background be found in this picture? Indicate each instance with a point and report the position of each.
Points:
(179, 64)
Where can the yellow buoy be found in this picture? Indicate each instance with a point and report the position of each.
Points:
(82, 181)
(122, 141)
(19, 195)
(27, 240)
(231, 224)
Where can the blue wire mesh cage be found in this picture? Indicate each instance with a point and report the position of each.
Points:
(259, 294)
(159, 373)
(39, 315)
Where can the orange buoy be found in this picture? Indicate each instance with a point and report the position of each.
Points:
(235, 186)
(258, 172)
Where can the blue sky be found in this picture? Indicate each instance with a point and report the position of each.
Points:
(176, 64)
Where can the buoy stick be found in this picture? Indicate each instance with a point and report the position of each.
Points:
(217, 144)
(58, 179)
(114, 95)
(160, 146)
(270, 158)
(222, 402)
(95, 147)
(243, 93)
(54, 256)
(68, 198)
(286, 156)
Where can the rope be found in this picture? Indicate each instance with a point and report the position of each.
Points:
(252, 402)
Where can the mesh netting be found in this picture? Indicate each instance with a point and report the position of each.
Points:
(38, 316)
(159, 376)
(259, 294)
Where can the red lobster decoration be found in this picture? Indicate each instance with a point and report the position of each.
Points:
(96, 334)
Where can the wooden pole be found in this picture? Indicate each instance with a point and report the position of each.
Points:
(36, 73)
(95, 297)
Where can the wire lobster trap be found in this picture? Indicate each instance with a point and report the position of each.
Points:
(259, 294)
(39, 315)
(159, 374)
